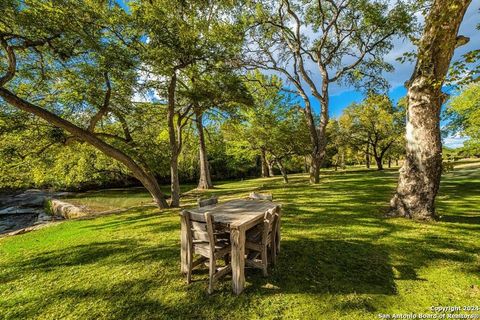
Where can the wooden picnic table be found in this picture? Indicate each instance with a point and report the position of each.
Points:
(238, 216)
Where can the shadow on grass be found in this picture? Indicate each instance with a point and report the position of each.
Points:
(330, 266)
(335, 243)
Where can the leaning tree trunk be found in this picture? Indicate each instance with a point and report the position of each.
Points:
(420, 175)
(205, 181)
(282, 170)
(174, 145)
(147, 179)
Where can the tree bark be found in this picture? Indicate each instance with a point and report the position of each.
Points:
(367, 156)
(379, 162)
(315, 163)
(282, 170)
(205, 181)
(263, 158)
(378, 157)
(147, 179)
(389, 162)
(174, 145)
(420, 174)
(270, 168)
(319, 135)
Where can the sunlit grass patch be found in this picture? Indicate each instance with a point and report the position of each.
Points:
(340, 258)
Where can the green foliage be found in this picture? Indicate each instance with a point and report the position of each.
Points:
(466, 69)
(463, 113)
(273, 123)
(374, 126)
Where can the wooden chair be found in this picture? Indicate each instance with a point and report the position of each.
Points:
(268, 196)
(260, 196)
(202, 240)
(262, 238)
(207, 202)
(223, 235)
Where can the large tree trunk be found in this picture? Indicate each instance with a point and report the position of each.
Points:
(263, 158)
(144, 176)
(174, 145)
(205, 181)
(420, 175)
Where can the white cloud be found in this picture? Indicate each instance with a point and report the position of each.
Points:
(454, 141)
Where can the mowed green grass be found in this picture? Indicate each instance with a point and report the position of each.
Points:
(340, 258)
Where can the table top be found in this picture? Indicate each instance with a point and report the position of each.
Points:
(237, 212)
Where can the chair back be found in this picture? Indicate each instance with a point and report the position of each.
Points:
(260, 196)
(200, 228)
(207, 202)
(269, 223)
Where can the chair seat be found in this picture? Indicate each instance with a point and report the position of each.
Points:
(203, 248)
(203, 244)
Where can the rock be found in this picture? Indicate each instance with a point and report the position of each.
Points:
(12, 222)
(68, 210)
(19, 210)
(8, 210)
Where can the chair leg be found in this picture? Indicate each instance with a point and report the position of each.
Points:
(189, 266)
(264, 257)
(273, 253)
(212, 271)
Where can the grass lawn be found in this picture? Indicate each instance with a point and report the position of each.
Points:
(340, 258)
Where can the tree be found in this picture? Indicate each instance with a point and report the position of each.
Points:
(213, 89)
(419, 178)
(272, 128)
(72, 70)
(376, 124)
(343, 41)
(182, 35)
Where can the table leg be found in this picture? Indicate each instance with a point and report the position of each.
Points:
(237, 238)
(184, 248)
(279, 234)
